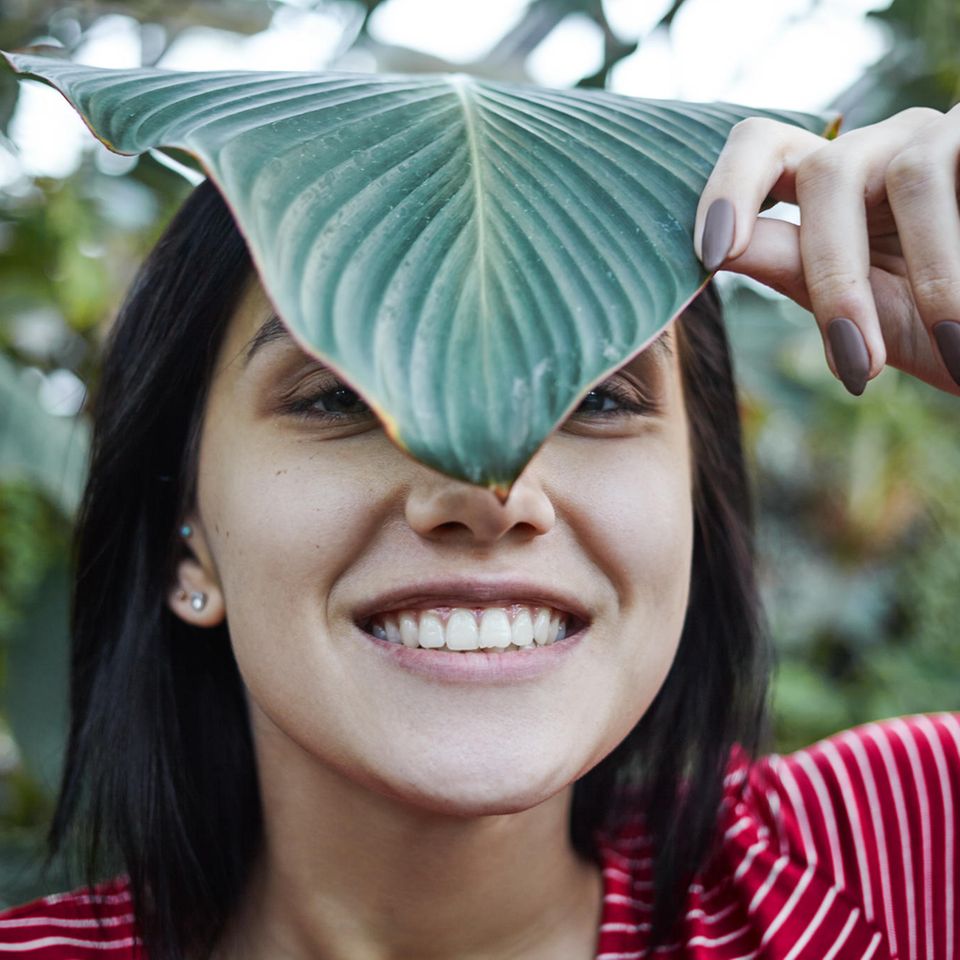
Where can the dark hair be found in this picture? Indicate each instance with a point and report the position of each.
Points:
(160, 779)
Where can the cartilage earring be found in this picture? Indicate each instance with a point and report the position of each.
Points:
(198, 601)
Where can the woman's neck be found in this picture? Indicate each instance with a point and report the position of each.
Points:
(349, 874)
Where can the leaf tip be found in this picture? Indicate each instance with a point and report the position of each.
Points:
(9, 61)
(834, 123)
(390, 425)
(15, 59)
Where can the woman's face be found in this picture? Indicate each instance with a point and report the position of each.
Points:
(309, 520)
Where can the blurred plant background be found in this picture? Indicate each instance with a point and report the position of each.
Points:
(859, 502)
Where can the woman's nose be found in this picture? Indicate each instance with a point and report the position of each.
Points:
(441, 507)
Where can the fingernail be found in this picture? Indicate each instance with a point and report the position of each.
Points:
(947, 333)
(717, 233)
(849, 354)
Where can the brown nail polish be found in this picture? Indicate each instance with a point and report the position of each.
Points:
(849, 354)
(717, 233)
(947, 334)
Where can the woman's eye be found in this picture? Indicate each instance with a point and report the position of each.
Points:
(611, 401)
(342, 401)
(336, 402)
(596, 401)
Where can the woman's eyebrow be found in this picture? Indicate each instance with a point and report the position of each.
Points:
(271, 330)
(274, 329)
(662, 347)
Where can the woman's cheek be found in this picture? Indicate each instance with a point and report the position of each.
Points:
(640, 507)
(283, 530)
(282, 518)
(649, 536)
(630, 507)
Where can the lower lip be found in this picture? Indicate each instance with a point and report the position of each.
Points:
(515, 666)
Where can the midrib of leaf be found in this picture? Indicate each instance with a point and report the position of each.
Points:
(460, 82)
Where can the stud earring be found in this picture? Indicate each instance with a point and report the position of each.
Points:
(186, 530)
(198, 601)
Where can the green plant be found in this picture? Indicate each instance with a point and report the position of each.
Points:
(471, 256)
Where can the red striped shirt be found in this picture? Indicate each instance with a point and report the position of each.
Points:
(74, 926)
(844, 851)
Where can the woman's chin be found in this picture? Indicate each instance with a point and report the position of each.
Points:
(476, 791)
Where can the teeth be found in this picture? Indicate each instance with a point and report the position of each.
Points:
(431, 631)
(522, 629)
(462, 631)
(494, 629)
(409, 630)
(490, 629)
(541, 626)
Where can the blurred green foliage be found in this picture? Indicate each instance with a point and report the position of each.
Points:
(859, 527)
(858, 501)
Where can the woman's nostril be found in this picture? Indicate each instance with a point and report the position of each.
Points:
(451, 525)
(435, 508)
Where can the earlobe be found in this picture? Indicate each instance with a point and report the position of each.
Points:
(196, 598)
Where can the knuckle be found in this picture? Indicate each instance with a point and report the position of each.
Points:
(826, 165)
(920, 115)
(937, 292)
(753, 127)
(912, 167)
(836, 290)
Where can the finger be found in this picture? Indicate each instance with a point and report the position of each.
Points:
(921, 184)
(773, 258)
(834, 187)
(908, 348)
(751, 166)
(835, 250)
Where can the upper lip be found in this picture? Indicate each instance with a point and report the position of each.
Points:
(466, 593)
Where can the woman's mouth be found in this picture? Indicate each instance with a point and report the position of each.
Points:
(496, 629)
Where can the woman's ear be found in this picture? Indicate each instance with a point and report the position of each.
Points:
(196, 596)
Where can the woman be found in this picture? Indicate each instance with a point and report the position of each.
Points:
(306, 783)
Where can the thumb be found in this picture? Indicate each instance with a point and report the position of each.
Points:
(773, 258)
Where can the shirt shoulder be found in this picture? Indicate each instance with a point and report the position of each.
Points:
(77, 925)
(848, 848)
(873, 811)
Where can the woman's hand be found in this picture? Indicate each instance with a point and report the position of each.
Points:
(877, 255)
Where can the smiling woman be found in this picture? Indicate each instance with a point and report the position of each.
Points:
(306, 524)
(329, 702)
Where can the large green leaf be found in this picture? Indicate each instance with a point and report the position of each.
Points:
(471, 256)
